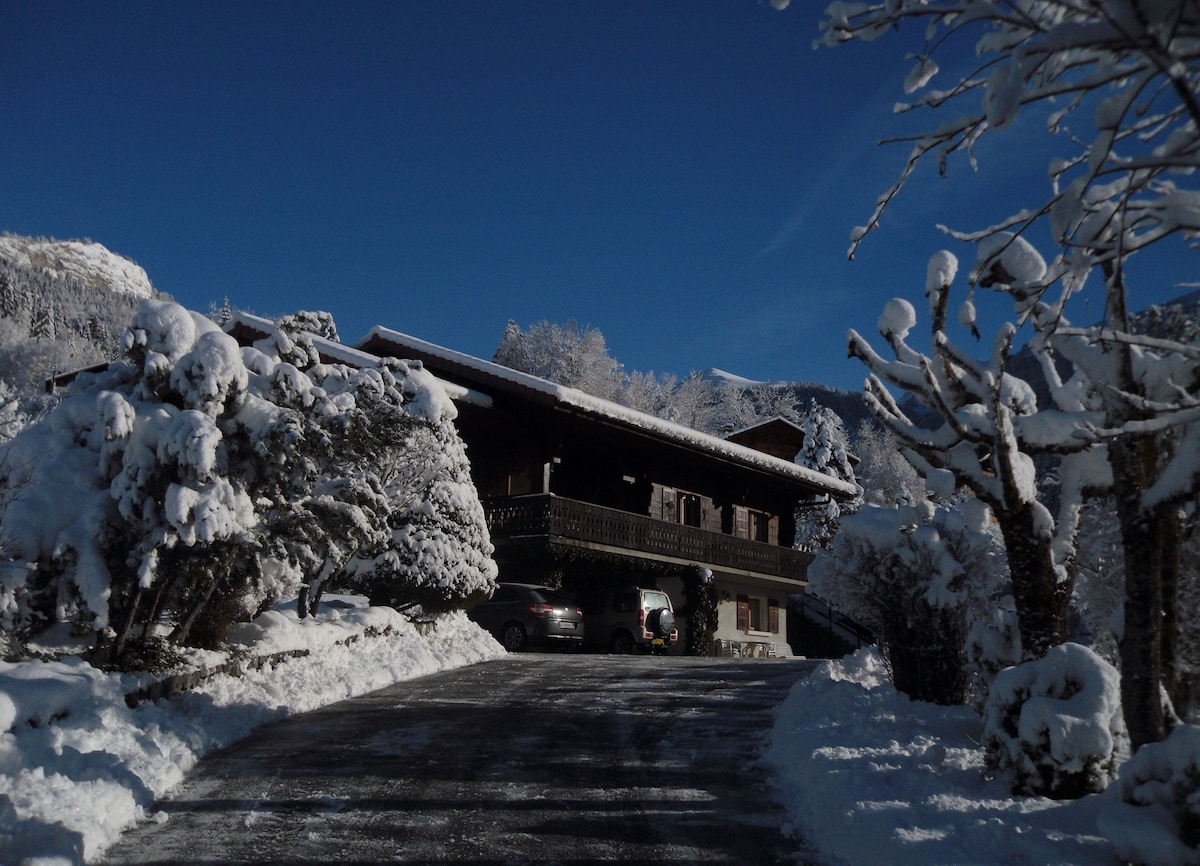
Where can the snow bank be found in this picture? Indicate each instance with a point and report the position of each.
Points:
(1153, 813)
(870, 777)
(78, 766)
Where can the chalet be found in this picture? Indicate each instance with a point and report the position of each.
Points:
(778, 437)
(581, 492)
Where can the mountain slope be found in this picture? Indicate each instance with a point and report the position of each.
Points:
(63, 306)
(89, 263)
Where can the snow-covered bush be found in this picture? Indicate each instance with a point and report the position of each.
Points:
(1152, 816)
(915, 576)
(991, 646)
(194, 480)
(1056, 724)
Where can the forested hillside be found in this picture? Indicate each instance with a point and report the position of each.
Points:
(63, 305)
(709, 400)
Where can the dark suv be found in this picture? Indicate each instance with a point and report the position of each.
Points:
(631, 618)
(520, 615)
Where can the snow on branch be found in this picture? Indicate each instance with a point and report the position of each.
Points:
(1128, 76)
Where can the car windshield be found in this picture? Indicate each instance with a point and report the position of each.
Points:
(656, 600)
(556, 598)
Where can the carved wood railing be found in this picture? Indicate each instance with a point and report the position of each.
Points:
(547, 516)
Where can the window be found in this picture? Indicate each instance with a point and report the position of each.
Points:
(760, 526)
(757, 614)
(689, 509)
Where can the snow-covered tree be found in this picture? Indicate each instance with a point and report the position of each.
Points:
(989, 432)
(221, 314)
(568, 354)
(13, 418)
(194, 479)
(886, 477)
(772, 400)
(439, 553)
(693, 403)
(11, 299)
(1117, 81)
(41, 322)
(826, 449)
(648, 392)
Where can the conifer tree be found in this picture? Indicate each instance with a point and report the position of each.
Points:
(41, 323)
(10, 297)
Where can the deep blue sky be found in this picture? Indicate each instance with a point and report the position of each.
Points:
(682, 175)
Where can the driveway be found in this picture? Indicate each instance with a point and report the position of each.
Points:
(537, 758)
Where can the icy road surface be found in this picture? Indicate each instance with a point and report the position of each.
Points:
(538, 758)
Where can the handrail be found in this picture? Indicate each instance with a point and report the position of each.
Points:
(546, 515)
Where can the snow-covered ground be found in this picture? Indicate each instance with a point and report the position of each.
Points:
(868, 776)
(78, 766)
(871, 777)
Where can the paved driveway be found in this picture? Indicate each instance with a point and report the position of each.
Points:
(567, 759)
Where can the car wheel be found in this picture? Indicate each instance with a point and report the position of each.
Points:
(513, 637)
(622, 642)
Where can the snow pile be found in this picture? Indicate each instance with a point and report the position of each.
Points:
(1153, 813)
(870, 777)
(89, 262)
(1056, 723)
(78, 766)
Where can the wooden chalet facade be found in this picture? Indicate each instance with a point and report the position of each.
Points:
(581, 493)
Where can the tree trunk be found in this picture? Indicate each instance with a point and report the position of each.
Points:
(180, 634)
(1042, 603)
(1143, 536)
(127, 621)
(1171, 571)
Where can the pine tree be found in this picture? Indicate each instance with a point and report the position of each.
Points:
(41, 323)
(10, 297)
(825, 449)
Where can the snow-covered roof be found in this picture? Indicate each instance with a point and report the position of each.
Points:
(767, 422)
(381, 341)
(497, 375)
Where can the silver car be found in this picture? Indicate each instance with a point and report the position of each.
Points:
(521, 615)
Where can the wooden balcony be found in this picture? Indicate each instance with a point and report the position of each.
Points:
(553, 519)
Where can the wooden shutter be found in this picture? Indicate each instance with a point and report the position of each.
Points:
(741, 522)
(772, 616)
(743, 612)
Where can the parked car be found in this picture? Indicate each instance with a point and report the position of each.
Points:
(630, 618)
(521, 615)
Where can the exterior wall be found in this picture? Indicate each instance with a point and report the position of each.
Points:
(732, 639)
(779, 439)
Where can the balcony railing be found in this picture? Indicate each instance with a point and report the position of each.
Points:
(555, 518)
